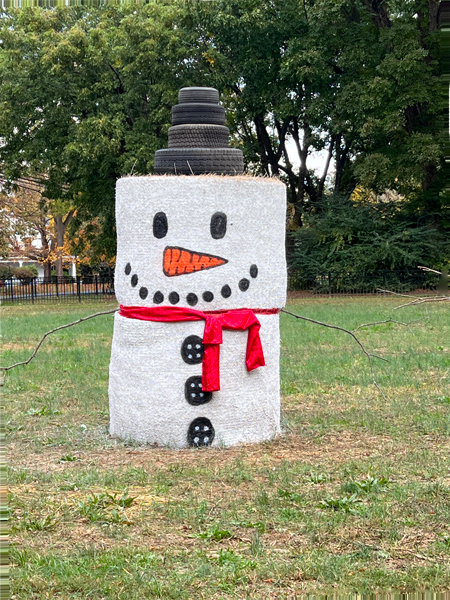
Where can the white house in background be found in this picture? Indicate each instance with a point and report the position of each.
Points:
(24, 261)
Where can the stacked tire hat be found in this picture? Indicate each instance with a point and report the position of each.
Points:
(198, 138)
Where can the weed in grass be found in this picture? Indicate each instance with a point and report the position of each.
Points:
(136, 476)
(345, 503)
(11, 427)
(96, 507)
(316, 477)
(118, 518)
(202, 511)
(216, 534)
(443, 541)
(175, 468)
(31, 524)
(262, 498)
(68, 458)
(45, 411)
(18, 475)
(443, 399)
(290, 514)
(256, 546)
(234, 561)
(239, 473)
(69, 487)
(367, 485)
(258, 525)
(292, 496)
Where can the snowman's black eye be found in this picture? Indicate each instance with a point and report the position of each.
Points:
(218, 225)
(160, 225)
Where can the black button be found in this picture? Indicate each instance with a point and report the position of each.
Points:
(193, 391)
(134, 280)
(174, 298)
(191, 299)
(143, 293)
(208, 296)
(244, 285)
(253, 271)
(192, 350)
(158, 298)
(226, 291)
(127, 269)
(200, 432)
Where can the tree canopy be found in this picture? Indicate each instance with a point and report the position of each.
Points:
(85, 97)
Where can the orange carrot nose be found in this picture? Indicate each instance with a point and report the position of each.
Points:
(179, 261)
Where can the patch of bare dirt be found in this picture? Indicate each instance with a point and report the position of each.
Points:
(331, 448)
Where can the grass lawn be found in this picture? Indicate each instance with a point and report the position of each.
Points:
(353, 497)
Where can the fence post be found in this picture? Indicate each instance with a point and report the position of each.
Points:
(32, 290)
(12, 293)
(57, 292)
(96, 285)
(78, 289)
(329, 283)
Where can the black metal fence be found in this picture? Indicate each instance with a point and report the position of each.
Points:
(345, 283)
(92, 288)
(57, 289)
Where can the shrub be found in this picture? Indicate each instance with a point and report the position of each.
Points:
(6, 272)
(67, 278)
(26, 274)
(352, 239)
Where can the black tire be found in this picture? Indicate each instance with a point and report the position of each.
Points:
(199, 136)
(198, 94)
(187, 114)
(198, 161)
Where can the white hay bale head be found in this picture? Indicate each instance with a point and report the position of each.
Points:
(207, 242)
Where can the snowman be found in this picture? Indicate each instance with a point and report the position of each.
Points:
(200, 277)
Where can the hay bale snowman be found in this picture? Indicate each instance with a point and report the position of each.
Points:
(200, 277)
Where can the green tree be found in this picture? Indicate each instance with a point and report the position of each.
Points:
(85, 98)
(358, 78)
(353, 237)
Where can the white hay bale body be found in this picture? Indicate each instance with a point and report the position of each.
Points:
(147, 385)
(148, 374)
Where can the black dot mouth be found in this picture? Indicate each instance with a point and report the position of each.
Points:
(191, 298)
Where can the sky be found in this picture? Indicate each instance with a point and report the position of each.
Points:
(316, 160)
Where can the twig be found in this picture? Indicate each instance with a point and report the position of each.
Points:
(25, 362)
(399, 550)
(397, 293)
(369, 356)
(421, 556)
(214, 506)
(416, 299)
(387, 321)
(134, 164)
(424, 300)
(428, 270)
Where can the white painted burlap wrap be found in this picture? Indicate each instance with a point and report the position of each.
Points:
(147, 372)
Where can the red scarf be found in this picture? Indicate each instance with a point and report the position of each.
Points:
(240, 319)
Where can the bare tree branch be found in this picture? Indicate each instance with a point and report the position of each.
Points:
(387, 321)
(415, 299)
(396, 293)
(25, 362)
(428, 270)
(424, 300)
(368, 354)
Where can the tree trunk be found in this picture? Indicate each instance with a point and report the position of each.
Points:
(61, 225)
(60, 229)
